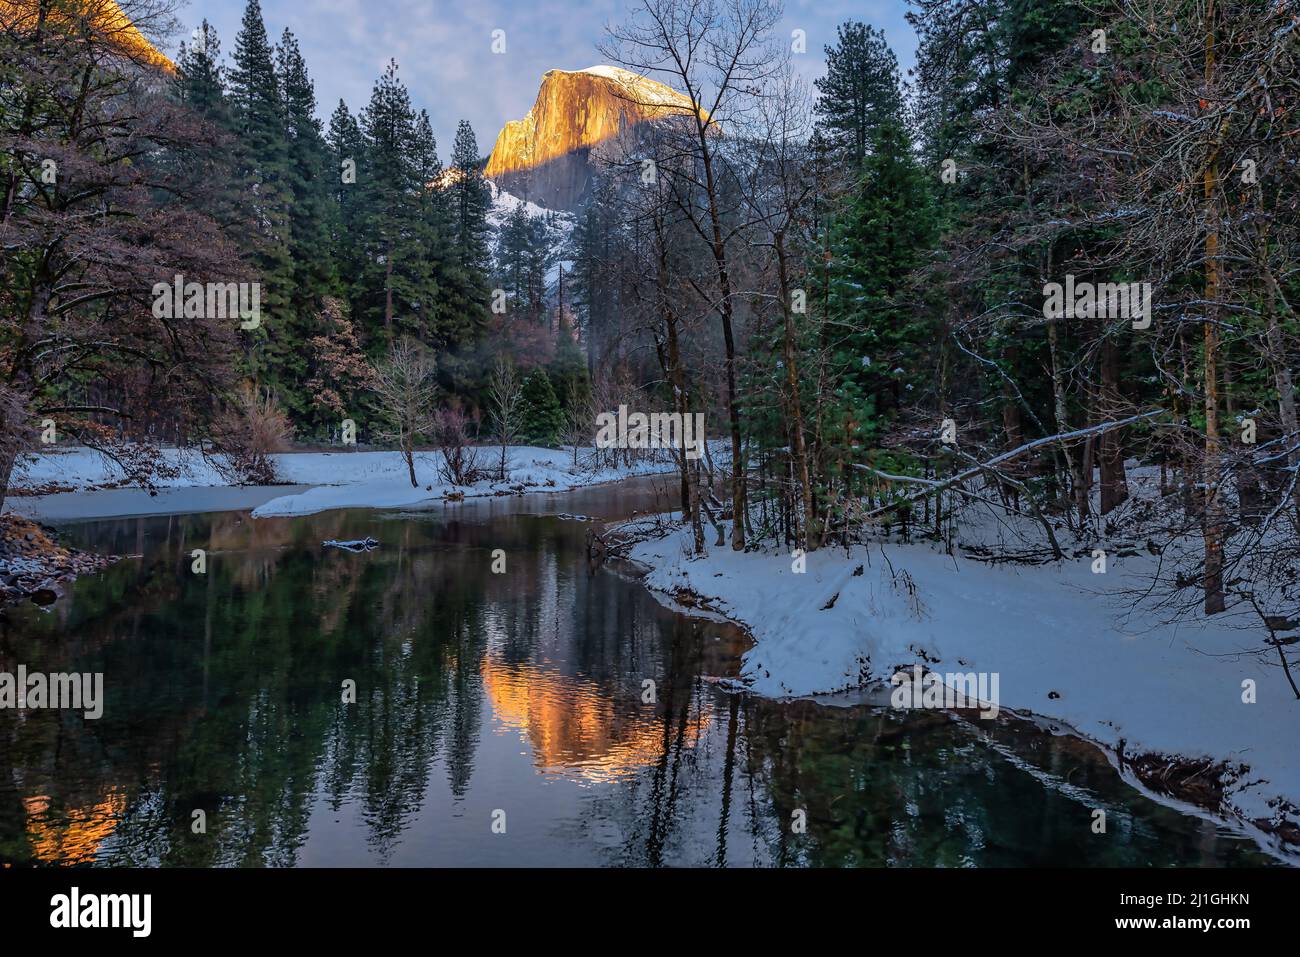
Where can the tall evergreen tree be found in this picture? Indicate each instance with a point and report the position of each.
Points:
(542, 416)
(395, 282)
(594, 247)
(314, 275)
(200, 85)
(523, 257)
(974, 53)
(861, 90)
(200, 76)
(568, 368)
(877, 244)
(430, 231)
(262, 171)
(469, 199)
(346, 148)
(874, 342)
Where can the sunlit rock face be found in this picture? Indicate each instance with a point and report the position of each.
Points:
(109, 22)
(580, 120)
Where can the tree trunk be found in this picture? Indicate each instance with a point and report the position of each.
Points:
(1281, 372)
(807, 539)
(1062, 418)
(8, 456)
(15, 426)
(690, 470)
(388, 296)
(1213, 516)
(1114, 484)
(725, 309)
(1187, 464)
(671, 361)
(1011, 425)
(1088, 454)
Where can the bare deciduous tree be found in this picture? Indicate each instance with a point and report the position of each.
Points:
(100, 199)
(407, 390)
(716, 52)
(505, 404)
(460, 459)
(777, 191)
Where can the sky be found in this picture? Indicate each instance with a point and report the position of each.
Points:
(444, 49)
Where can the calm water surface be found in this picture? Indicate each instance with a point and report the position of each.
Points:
(480, 693)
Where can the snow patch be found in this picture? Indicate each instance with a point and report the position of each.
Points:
(1066, 643)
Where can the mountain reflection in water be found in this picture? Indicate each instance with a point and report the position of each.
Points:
(478, 693)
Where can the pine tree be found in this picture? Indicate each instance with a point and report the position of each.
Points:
(346, 149)
(437, 314)
(395, 282)
(511, 241)
(568, 368)
(542, 417)
(594, 247)
(262, 172)
(201, 82)
(859, 92)
(877, 243)
(524, 255)
(201, 86)
(314, 272)
(974, 53)
(254, 89)
(469, 198)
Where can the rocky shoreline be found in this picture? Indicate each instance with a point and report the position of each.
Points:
(34, 567)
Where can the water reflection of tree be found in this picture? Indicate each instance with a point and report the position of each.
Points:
(678, 808)
(229, 689)
(224, 693)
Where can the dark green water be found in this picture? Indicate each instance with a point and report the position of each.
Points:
(480, 693)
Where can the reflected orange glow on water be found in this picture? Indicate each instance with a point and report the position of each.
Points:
(573, 726)
(76, 837)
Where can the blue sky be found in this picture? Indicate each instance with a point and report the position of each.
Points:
(443, 49)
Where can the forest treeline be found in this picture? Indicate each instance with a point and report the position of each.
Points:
(864, 281)
(857, 281)
(374, 262)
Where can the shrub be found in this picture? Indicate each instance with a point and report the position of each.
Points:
(543, 418)
(460, 460)
(250, 427)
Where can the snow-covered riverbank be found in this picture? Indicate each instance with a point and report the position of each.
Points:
(1065, 643)
(332, 479)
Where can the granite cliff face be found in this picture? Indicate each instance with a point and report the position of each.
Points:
(112, 25)
(580, 118)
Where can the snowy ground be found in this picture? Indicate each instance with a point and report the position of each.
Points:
(336, 479)
(1067, 644)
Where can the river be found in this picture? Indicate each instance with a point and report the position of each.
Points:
(551, 714)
